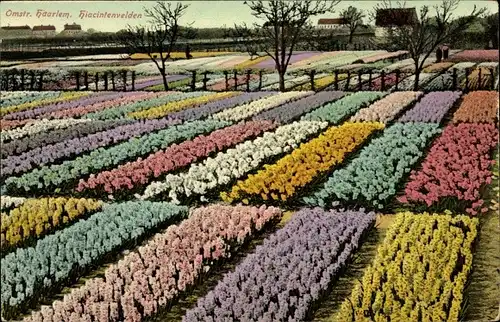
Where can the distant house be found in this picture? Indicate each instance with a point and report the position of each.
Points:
(387, 18)
(44, 31)
(71, 30)
(14, 32)
(331, 23)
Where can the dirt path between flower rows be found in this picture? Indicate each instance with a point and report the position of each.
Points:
(483, 293)
(341, 290)
(179, 309)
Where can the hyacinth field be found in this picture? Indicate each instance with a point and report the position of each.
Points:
(249, 206)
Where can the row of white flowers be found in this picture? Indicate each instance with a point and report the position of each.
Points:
(288, 83)
(234, 163)
(242, 112)
(294, 81)
(407, 83)
(488, 64)
(8, 201)
(463, 65)
(42, 125)
(385, 109)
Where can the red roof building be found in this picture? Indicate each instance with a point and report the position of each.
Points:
(44, 28)
(71, 30)
(396, 17)
(331, 23)
(26, 27)
(15, 32)
(44, 31)
(73, 26)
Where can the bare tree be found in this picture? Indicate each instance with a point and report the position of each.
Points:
(353, 18)
(158, 39)
(422, 37)
(283, 26)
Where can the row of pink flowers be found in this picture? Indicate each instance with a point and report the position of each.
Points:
(140, 172)
(476, 55)
(456, 167)
(150, 278)
(82, 110)
(390, 80)
(11, 124)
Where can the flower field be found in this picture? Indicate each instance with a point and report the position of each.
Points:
(243, 206)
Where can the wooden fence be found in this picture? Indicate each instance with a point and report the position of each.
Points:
(14, 80)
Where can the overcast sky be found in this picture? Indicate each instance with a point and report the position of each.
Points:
(200, 13)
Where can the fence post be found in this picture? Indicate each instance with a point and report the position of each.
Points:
(479, 78)
(40, 84)
(313, 87)
(370, 80)
(205, 80)
(133, 80)
(397, 79)
(86, 80)
(105, 81)
(492, 79)
(113, 85)
(5, 80)
(235, 80)
(336, 81)
(454, 79)
(260, 80)
(248, 80)
(382, 81)
(97, 81)
(32, 82)
(124, 80)
(77, 75)
(467, 71)
(22, 79)
(360, 85)
(193, 81)
(226, 79)
(348, 80)
(14, 80)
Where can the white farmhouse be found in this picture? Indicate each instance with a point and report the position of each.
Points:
(387, 18)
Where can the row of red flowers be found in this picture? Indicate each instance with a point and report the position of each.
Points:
(456, 167)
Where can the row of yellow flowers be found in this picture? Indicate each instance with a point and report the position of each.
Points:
(161, 111)
(64, 97)
(251, 62)
(320, 83)
(419, 272)
(37, 217)
(438, 67)
(281, 180)
(475, 82)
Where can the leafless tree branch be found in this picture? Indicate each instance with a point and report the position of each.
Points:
(157, 39)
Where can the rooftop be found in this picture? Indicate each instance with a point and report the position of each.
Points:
(396, 17)
(331, 21)
(26, 27)
(42, 28)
